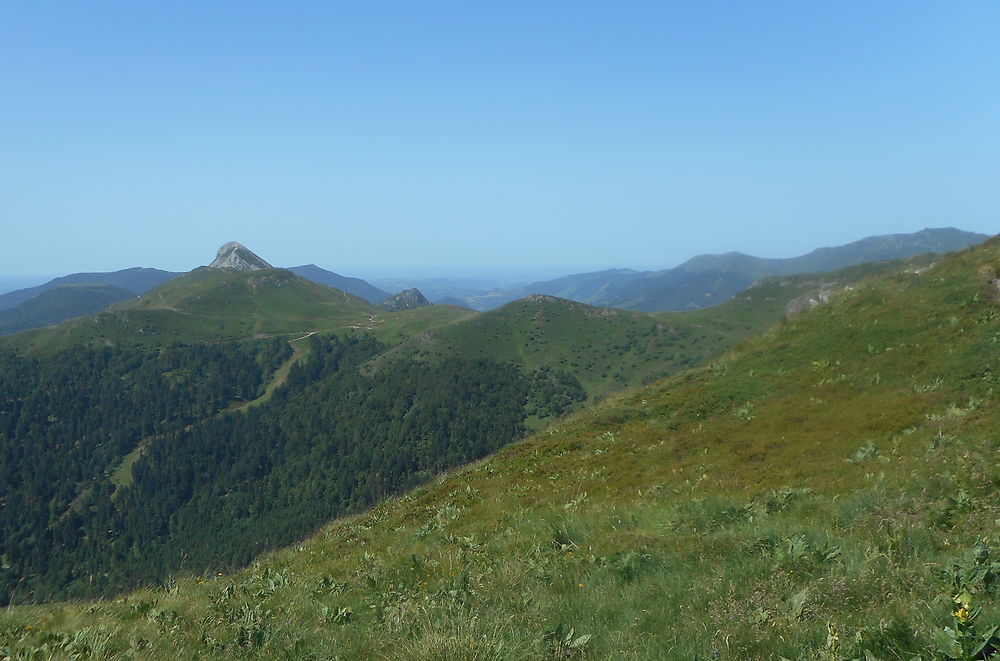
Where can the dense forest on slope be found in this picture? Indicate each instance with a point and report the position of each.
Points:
(213, 491)
(67, 421)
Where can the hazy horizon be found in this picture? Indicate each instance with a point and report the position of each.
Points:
(486, 276)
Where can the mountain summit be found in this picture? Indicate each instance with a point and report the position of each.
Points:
(238, 257)
(408, 299)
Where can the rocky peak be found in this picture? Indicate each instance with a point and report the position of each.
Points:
(407, 299)
(237, 257)
(541, 298)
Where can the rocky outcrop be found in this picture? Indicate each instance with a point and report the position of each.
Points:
(808, 301)
(408, 299)
(237, 257)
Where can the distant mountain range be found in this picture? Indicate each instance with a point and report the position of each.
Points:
(136, 280)
(355, 286)
(78, 294)
(700, 282)
(73, 295)
(60, 303)
(707, 280)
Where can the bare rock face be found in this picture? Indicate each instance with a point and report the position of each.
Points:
(237, 257)
(407, 299)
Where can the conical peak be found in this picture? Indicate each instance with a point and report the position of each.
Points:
(407, 299)
(237, 257)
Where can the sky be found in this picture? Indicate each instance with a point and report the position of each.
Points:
(450, 137)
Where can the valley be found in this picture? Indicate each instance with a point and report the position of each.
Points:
(729, 461)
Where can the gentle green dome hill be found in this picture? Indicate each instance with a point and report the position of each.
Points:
(823, 492)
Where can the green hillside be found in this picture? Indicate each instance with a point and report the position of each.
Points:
(298, 428)
(828, 491)
(136, 280)
(396, 327)
(131, 444)
(58, 304)
(211, 304)
(601, 347)
(609, 350)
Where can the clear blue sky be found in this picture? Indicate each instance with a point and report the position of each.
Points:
(368, 135)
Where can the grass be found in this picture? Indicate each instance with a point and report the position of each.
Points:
(607, 350)
(458, 571)
(612, 350)
(300, 353)
(821, 492)
(210, 305)
(121, 477)
(396, 327)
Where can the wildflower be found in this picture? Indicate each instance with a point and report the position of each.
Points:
(962, 614)
(579, 585)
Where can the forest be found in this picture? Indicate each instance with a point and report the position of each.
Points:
(123, 466)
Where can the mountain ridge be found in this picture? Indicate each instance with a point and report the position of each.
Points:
(59, 303)
(709, 279)
(356, 286)
(136, 279)
(700, 281)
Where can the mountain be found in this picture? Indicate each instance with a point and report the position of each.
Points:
(608, 350)
(13, 283)
(59, 303)
(871, 249)
(226, 382)
(602, 349)
(826, 490)
(237, 257)
(710, 279)
(231, 256)
(210, 303)
(408, 299)
(136, 280)
(473, 292)
(240, 299)
(355, 286)
(585, 287)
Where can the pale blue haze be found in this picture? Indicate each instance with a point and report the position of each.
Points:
(376, 136)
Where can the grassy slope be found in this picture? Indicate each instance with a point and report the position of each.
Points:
(396, 327)
(610, 350)
(826, 478)
(213, 305)
(607, 350)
